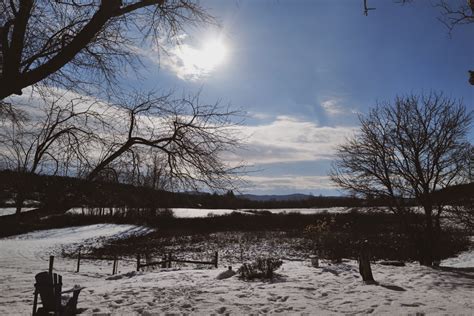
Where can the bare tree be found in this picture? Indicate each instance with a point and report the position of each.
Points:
(453, 14)
(188, 136)
(48, 140)
(82, 44)
(157, 176)
(144, 167)
(408, 150)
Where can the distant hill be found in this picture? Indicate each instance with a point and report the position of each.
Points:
(60, 193)
(265, 198)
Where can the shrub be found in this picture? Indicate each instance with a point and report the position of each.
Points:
(262, 268)
(329, 240)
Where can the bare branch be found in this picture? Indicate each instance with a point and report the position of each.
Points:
(80, 45)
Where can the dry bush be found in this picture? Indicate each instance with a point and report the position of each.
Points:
(261, 268)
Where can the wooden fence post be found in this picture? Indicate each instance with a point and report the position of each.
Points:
(216, 259)
(114, 266)
(51, 262)
(163, 263)
(78, 260)
(138, 262)
(169, 259)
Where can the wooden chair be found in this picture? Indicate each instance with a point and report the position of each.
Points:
(49, 288)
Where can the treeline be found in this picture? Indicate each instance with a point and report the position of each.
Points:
(59, 193)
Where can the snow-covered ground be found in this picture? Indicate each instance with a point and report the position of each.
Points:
(299, 288)
(11, 210)
(463, 260)
(201, 212)
(204, 212)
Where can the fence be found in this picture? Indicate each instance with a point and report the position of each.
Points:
(168, 259)
(114, 259)
(165, 263)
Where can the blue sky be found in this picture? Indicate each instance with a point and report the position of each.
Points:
(303, 70)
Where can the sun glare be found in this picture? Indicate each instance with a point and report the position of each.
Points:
(199, 62)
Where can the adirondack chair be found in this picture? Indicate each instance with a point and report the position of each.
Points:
(49, 288)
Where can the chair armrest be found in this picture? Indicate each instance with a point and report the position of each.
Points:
(74, 289)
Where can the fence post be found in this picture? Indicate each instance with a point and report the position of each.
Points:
(163, 263)
(138, 262)
(51, 262)
(114, 266)
(78, 260)
(169, 259)
(216, 258)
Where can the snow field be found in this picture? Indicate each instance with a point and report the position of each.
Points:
(333, 289)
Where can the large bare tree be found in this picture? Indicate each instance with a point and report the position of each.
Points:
(141, 139)
(407, 151)
(187, 136)
(82, 44)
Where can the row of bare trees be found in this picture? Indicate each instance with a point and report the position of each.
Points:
(142, 139)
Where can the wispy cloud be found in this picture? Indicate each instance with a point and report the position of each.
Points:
(289, 139)
(260, 115)
(333, 107)
(288, 184)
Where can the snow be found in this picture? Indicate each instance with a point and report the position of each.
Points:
(463, 260)
(203, 212)
(11, 210)
(299, 288)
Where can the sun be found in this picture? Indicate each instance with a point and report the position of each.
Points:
(198, 62)
(212, 54)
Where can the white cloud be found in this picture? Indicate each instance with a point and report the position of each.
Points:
(333, 107)
(287, 183)
(288, 139)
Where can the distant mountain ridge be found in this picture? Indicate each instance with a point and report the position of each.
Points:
(287, 197)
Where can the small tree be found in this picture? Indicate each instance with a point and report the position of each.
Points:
(407, 151)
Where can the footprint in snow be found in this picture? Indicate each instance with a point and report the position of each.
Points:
(411, 304)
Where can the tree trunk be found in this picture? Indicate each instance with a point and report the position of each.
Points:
(21, 192)
(427, 250)
(19, 200)
(364, 264)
